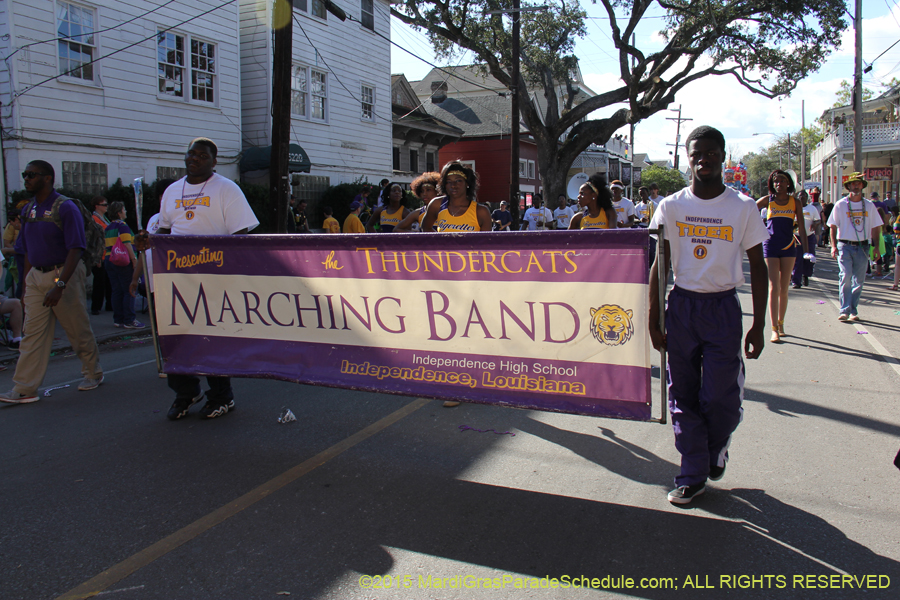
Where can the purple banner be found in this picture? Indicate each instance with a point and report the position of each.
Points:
(552, 321)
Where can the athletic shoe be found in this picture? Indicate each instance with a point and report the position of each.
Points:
(853, 318)
(89, 384)
(14, 397)
(716, 472)
(796, 286)
(843, 317)
(216, 408)
(133, 325)
(119, 325)
(182, 406)
(806, 281)
(685, 493)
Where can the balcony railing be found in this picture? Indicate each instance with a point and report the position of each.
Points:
(873, 137)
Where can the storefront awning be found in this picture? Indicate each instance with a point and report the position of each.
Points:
(255, 159)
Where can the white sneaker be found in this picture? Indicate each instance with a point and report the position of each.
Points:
(853, 318)
(843, 317)
(89, 384)
(14, 397)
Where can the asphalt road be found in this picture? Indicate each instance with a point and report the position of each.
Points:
(374, 496)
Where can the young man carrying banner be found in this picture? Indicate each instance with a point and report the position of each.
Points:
(707, 227)
(203, 203)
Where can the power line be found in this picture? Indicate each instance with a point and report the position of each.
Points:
(99, 58)
(80, 35)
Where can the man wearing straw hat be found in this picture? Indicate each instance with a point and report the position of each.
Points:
(854, 224)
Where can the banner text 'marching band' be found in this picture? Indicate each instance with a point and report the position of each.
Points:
(552, 321)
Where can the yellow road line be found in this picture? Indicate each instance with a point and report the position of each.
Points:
(130, 565)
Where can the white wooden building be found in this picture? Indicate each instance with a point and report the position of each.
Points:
(340, 90)
(105, 89)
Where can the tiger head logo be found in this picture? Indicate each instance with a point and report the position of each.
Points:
(611, 324)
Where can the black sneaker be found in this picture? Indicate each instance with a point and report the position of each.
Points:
(716, 473)
(806, 281)
(216, 408)
(685, 493)
(182, 406)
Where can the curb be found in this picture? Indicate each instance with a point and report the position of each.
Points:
(7, 356)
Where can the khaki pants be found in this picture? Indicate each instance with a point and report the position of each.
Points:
(40, 324)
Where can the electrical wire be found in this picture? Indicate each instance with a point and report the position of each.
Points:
(79, 35)
(99, 58)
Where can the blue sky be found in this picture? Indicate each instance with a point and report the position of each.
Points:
(717, 101)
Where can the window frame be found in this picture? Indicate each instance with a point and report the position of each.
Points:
(188, 70)
(81, 186)
(413, 164)
(312, 8)
(363, 86)
(363, 13)
(310, 92)
(430, 161)
(95, 45)
(395, 158)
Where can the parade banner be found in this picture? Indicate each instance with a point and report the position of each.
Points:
(553, 321)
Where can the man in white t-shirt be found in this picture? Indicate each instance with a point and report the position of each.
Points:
(624, 207)
(707, 229)
(563, 213)
(804, 263)
(203, 203)
(854, 224)
(537, 218)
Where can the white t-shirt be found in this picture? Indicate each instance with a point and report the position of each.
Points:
(708, 238)
(215, 207)
(624, 209)
(854, 221)
(563, 217)
(538, 218)
(811, 217)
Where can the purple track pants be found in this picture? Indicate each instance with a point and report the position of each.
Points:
(705, 370)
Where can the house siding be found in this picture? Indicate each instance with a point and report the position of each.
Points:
(344, 147)
(119, 120)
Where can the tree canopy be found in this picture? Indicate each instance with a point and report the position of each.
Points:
(766, 45)
(668, 180)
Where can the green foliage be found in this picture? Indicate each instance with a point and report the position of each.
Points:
(668, 180)
(259, 201)
(767, 46)
(338, 197)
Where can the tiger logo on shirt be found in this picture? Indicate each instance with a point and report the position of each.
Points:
(611, 324)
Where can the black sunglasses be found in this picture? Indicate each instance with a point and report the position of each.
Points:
(31, 175)
(103, 204)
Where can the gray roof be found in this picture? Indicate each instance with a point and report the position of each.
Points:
(477, 116)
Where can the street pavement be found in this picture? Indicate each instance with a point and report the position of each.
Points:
(374, 496)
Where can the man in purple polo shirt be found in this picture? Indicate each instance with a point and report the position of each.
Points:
(54, 288)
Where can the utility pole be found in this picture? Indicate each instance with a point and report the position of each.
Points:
(514, 13)
(631, 137)
(279, 188)
(514, 137)
(677, 143)
(802, 143)
(282, 63)
(857, 93)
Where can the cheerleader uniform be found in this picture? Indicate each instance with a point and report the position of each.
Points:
(598, 222)
(780, 224)
(468, 221)
(390, 220)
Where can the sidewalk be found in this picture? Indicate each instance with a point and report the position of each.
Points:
(104, 331)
